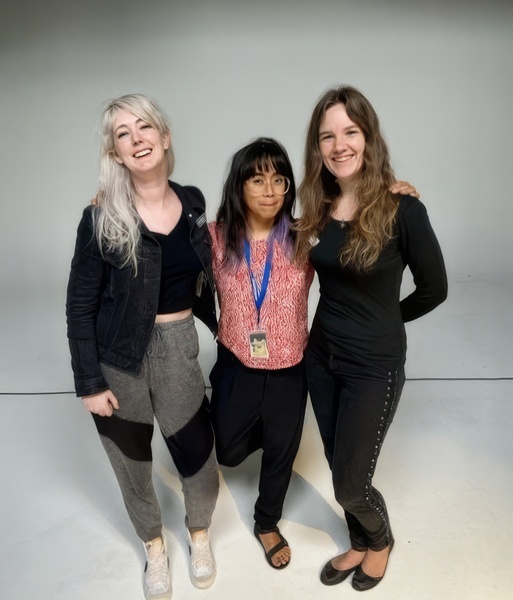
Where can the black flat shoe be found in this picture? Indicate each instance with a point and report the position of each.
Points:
(332, 576)
(363, 582)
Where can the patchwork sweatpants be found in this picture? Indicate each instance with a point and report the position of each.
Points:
(169, 389)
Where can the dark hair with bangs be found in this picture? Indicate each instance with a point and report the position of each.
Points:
(259, 156)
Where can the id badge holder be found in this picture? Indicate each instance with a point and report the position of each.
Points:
(258, 344)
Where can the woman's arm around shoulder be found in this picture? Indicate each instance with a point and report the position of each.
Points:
(404, 188)
(218, 248)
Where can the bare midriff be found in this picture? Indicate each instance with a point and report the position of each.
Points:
(177, 316)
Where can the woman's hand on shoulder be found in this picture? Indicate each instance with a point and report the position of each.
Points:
(405, 188)
(103, 404)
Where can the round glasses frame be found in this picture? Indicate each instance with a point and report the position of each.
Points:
(257, 187)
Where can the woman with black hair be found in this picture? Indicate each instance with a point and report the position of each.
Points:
(258, 382)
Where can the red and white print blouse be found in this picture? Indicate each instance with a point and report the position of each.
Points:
(284, 312)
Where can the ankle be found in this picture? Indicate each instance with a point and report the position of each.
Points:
(349, 559)
(197, 534)
(154, 547)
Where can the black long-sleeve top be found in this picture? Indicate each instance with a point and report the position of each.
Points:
(360, 319)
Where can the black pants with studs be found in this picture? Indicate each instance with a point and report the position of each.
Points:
(354, 412)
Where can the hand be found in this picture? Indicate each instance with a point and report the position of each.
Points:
(404, 188)
(103, 404)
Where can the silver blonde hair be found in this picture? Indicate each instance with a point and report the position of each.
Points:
(116, 220)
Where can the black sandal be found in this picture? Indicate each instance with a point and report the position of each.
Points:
(281, 544)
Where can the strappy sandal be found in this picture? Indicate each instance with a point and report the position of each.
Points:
(281, 544)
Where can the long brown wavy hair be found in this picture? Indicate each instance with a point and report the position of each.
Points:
(372, 226)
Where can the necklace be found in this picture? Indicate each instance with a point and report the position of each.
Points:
(342, 223)
(345, 208)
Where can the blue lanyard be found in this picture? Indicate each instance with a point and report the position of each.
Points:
(259, 292)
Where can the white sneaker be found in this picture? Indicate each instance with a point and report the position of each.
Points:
(156, 570)
(203, 566)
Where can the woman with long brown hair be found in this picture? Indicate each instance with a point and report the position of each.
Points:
(359, 237)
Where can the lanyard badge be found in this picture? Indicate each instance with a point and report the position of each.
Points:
(258, 338)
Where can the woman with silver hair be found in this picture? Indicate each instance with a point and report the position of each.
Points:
(141, 268)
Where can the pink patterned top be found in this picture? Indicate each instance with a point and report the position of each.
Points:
(284, 312)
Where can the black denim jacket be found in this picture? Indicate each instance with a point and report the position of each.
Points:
(111, 313)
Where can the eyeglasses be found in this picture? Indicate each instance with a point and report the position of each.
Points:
(257, 185)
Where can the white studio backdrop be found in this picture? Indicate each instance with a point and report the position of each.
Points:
(440, 75)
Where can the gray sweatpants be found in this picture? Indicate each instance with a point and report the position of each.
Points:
(170, 388)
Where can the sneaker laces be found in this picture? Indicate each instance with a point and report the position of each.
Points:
(203, 566)
(157, 572)
(202, 559)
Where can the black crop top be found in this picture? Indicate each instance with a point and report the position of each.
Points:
(179, 270)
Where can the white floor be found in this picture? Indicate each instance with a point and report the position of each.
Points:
(445, 471)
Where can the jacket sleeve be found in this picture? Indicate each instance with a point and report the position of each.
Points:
(421, 252)
(86, 284)
(204, 308)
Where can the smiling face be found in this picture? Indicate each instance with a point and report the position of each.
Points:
(264, 195)
(341, 144)
(139, 145)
